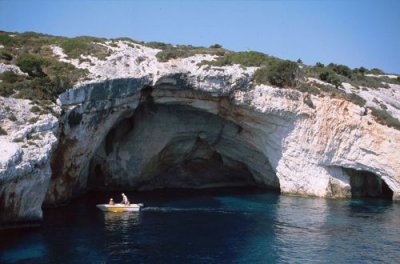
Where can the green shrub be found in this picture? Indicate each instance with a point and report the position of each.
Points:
(6, 40)
(35, 109)
(245, 58)
(358, 100)
(360, 70)
(6, 90)
(385, 118)
(33, 120)
(11, 77)
(280, 73)
(9, 83)
(48, 78)
(128, 40)
(157, 45)
(5, 55)
(340, 69)
(216, 46)
(181, 51)
(307, 88)
(376, 71)
(12, 117)
(261, 75)
(31, 64)
(366, 81)
(2, 132)
(336, 74)
(74, 47)
(172, 53)
(330, 77)
(340, 94)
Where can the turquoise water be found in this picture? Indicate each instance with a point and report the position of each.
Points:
(215, 226)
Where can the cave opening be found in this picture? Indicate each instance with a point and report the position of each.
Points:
(177, 146)
(368, 184)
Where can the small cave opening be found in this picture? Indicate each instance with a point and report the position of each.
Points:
(174, 146)
(368, 184)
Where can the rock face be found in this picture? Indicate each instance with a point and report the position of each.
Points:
(24, 161)
(142, 124)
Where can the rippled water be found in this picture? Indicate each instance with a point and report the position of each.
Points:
(217, 226)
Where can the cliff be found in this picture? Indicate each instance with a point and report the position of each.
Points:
(138, 122)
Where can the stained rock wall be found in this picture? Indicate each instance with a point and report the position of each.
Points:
(281, 140)
(142, 124)
(25, 154)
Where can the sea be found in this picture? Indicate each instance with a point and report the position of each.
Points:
(223, 225)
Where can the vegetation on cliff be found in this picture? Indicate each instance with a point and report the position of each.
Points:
(46, 76)
(169, 51)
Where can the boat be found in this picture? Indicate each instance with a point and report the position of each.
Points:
(119, 208)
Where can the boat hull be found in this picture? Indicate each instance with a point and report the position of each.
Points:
(119, 208)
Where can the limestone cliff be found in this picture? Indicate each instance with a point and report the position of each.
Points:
(139, 123)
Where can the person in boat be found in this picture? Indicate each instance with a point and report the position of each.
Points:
(111, 202)
(125, 199)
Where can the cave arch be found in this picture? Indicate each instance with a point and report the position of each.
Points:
(367, 184)
(178, 146)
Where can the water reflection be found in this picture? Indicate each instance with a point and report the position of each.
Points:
(121, 221)
(340, 231)
(247, 227)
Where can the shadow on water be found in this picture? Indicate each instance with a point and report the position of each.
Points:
(211, 226)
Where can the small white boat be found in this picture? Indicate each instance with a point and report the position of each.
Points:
(118, 208)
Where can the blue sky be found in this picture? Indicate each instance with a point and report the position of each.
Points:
(356, 33)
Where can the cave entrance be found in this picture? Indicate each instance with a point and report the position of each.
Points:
(174, 146)
(368, 184)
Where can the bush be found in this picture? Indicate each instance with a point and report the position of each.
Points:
(216, 46)
(385, 118)
(376, 71)
(181, 51)
(6, 40)
(33, 120)
(340, 69)
(5, 55)
(367, 81)
(9, 83)
(48, 78)
(11, 77)
(355, 99)
(172, 53)
(157, 45)
(35, 109)
(330, 77)
(281, 73)
(2, 132)
(128, 40)
(246, 58)
(307, 88)
(12, 117)
(31, 64)
(74, 47)
(360, 70)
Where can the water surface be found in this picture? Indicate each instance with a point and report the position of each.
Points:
(214, 226)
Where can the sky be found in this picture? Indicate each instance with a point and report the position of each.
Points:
(351, 32)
